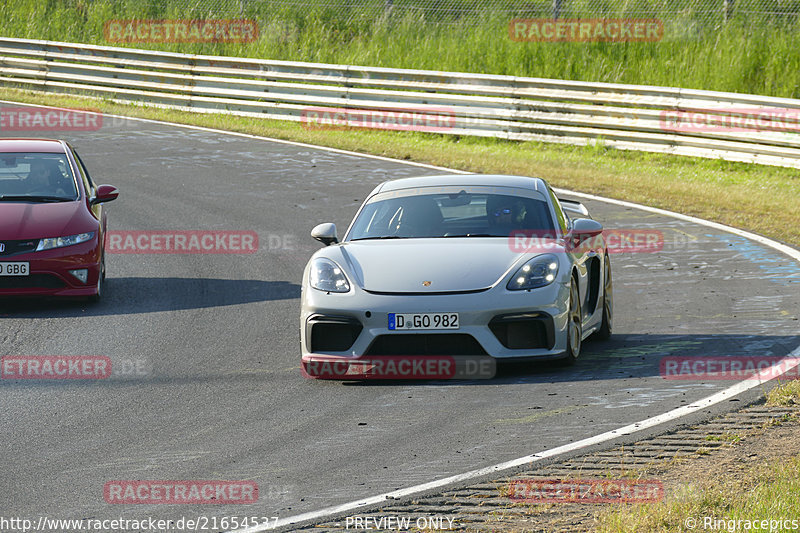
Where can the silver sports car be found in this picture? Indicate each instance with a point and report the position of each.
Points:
(457, 265)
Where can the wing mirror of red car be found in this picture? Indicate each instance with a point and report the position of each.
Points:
(105, 193)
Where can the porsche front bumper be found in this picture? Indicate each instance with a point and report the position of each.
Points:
(496, 322)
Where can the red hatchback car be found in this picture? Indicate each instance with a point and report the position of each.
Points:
(52, 221)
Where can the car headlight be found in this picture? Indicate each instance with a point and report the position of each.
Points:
(58, 242)
(538, 272)
(326, 276)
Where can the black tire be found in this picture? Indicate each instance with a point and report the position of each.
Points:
(604, 333)
(574, 327)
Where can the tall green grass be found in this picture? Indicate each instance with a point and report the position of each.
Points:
(748, 55)
(763, 492)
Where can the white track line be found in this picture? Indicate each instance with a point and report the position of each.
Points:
(784, 365)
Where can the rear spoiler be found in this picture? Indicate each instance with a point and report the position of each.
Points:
(574, 206)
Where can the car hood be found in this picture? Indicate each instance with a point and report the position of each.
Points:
(450, 265)
(25, 220)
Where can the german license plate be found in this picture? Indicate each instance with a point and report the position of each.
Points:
(416, 321)
(14, 269)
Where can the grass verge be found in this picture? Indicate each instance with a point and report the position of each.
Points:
(771, 495)
(787, 394)
(757, 198)
(759, 496)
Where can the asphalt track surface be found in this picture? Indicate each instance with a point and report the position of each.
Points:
(219, 394)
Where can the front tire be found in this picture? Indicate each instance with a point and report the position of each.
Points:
(608, 304)
(574, 326)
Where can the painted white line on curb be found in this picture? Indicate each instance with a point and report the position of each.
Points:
(636, 427)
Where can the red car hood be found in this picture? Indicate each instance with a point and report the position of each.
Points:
(24, 220)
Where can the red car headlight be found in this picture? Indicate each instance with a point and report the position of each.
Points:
(58, 242)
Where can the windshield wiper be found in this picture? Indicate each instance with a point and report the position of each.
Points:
(28, 198)
(473, 235)
(380, 238)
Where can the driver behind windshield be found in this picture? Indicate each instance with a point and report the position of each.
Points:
(43, 179)
(505, 214)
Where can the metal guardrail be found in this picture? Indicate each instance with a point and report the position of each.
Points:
(629, 117)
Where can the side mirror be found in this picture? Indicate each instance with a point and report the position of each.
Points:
(105, 193)
(586, 227)
(325, 233)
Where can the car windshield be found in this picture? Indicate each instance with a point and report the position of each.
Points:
(36, 177)
(457, 214)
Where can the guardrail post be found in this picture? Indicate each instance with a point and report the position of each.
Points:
(727, 9)
(557, 8)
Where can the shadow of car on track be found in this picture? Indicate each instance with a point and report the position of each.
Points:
(626, 356)
(623, 358)
(125, 296)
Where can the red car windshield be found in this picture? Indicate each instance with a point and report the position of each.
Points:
(36, 177)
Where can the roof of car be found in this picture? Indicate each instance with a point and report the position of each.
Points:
(31, 145)
(440, 180)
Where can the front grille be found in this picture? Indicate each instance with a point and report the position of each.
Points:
(17, 247)
(331, 333)
(426, 344)
(34, 281)
(427, 293)
(531, 331)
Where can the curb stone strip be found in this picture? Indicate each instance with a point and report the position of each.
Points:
(483, 507)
